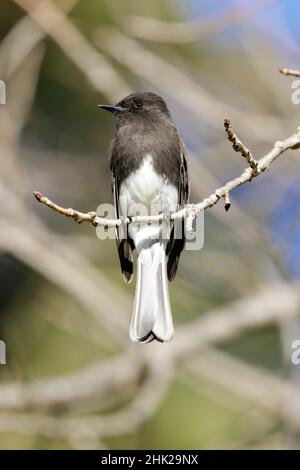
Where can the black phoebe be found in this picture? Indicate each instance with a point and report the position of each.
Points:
(149, 168)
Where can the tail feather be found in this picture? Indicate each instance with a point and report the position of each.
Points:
(152, 318)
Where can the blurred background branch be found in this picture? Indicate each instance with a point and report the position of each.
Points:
(153, 29)
(72, 378)
(289, 72)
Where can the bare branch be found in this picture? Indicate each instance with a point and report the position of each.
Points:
(238, 146)
(191, 211)
(290, 72)
(227, 202)
(76, 215)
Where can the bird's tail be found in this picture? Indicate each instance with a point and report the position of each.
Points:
(152, 318)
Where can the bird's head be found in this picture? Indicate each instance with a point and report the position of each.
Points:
(138, 107)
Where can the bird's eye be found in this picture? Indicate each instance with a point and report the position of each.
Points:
(137, 104)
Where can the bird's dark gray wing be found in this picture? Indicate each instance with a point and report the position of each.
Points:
(177, 237)
(124, 243)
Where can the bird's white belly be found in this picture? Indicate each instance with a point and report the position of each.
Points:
(145, 192)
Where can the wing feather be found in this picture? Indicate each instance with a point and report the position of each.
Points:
(124, 243)
(177, 237)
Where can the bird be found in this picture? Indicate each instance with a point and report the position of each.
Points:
(149, 168)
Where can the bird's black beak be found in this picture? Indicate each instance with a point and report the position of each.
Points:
(111, 109)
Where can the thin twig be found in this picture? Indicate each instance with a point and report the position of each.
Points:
(290, 72)
(255, 169)
(76, 215)
(238, 146)
(227, 202)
